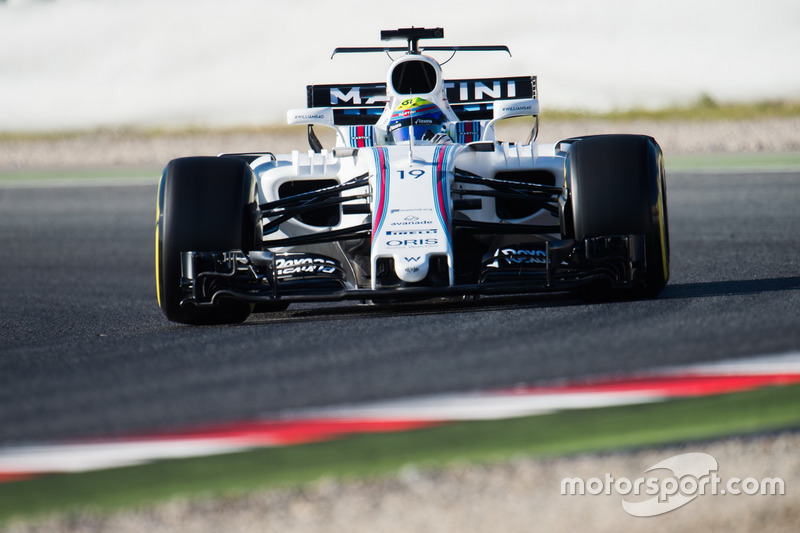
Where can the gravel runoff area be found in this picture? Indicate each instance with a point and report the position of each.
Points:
(520, 494)
(120, 148)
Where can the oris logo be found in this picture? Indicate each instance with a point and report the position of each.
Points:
(395, 243)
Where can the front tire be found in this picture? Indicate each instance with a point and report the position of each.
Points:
(204, 204)
(617, 187)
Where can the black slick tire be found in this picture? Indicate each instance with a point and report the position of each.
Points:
(204, 204)
(617, 187)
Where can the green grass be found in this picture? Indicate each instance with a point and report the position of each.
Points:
(124, 132)
(680, 163)
(704, 109)
(733, 161)
(569, 432)
(82, 174)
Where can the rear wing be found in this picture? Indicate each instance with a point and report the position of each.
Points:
(471, 99)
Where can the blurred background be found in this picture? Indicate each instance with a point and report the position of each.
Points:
(87, 64)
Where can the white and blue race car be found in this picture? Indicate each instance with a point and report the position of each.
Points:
(416, 199)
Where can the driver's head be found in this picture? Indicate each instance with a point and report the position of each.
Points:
(417, 118)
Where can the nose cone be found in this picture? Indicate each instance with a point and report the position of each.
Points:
(411, 269)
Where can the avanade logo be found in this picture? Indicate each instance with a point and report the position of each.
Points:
(693, 475)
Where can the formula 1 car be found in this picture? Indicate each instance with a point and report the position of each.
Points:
(417, 199)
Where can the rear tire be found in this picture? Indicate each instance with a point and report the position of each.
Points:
(617, 187)
(204, 204)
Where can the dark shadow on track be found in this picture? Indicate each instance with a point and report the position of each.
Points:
(426, 307)
(341, 311)
(730, 288)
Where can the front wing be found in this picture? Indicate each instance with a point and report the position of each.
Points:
(264, 277)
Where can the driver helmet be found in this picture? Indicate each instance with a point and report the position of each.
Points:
(417, 118)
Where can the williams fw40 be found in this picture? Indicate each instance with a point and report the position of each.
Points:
(417, 197)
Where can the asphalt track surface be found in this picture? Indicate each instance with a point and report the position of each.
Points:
(84, 350)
